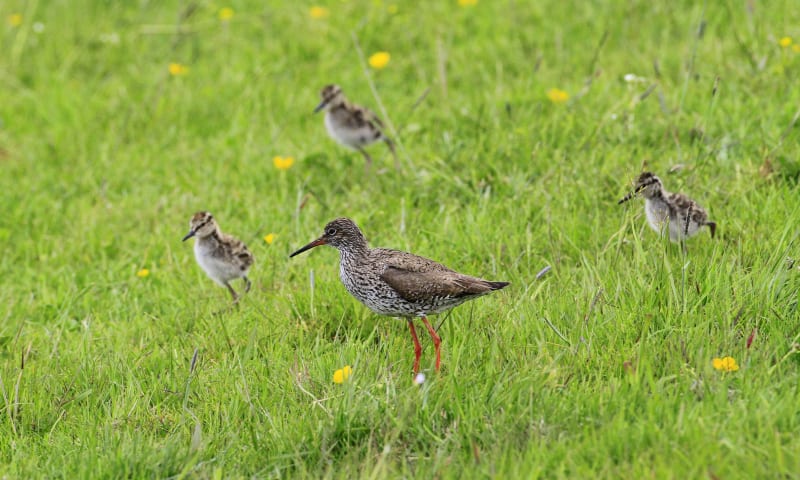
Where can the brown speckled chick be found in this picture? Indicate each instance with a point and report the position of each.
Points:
(672, 213)
(351, 125)
(223, 257)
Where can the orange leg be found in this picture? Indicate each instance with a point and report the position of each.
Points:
(436, 341)
(417, 346)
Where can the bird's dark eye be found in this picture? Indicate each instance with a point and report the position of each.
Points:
(330, 232)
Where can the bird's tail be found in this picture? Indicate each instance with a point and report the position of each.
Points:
(497, 285)
(713, 227)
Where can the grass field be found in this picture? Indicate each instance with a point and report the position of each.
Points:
(601, 368)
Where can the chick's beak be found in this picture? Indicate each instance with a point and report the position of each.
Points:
(320, 106)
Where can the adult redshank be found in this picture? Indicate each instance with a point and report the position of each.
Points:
(398, 284)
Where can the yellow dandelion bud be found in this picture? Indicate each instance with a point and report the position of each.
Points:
(283, 163)
(392, 9)
(556, 95)
(725, 364)
(143, 273)
(225, 13)
(316, 12)
(269, 238)
(15, 19)
(339, 376)
(379, 60)
(796, 48)
(785, 42)
(177, 69)
(467, 3)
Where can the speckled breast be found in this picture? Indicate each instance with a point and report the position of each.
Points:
(366, 285)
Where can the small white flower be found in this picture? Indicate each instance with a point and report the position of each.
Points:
(631, 78)
(420, 378)
(112, 38)
(38, 27)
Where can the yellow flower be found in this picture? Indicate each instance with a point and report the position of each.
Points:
(177, 69)
(283, 163)
(796, 47)
(15, 19)
(467, 3)
(318, 12)
(392, 9)
(269, 238)
(339, 376)
(379, 60)
(556, 95)
(143, 273)
(785, 42)
(726, 364)
(225, 13)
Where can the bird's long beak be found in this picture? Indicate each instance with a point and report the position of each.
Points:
(188, 235)
(632, 194)
(626, 197)
(320, 106)
(315, 243)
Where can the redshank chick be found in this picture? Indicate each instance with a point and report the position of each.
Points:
(223, 257)
(672, 213)
(351, 125)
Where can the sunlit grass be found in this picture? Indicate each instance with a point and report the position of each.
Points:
(521, 124)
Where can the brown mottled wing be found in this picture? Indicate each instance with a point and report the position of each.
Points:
(417, 278)
(684, 203)
(421, 286)
(681, 201)
(363, 117)
(237, 249)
